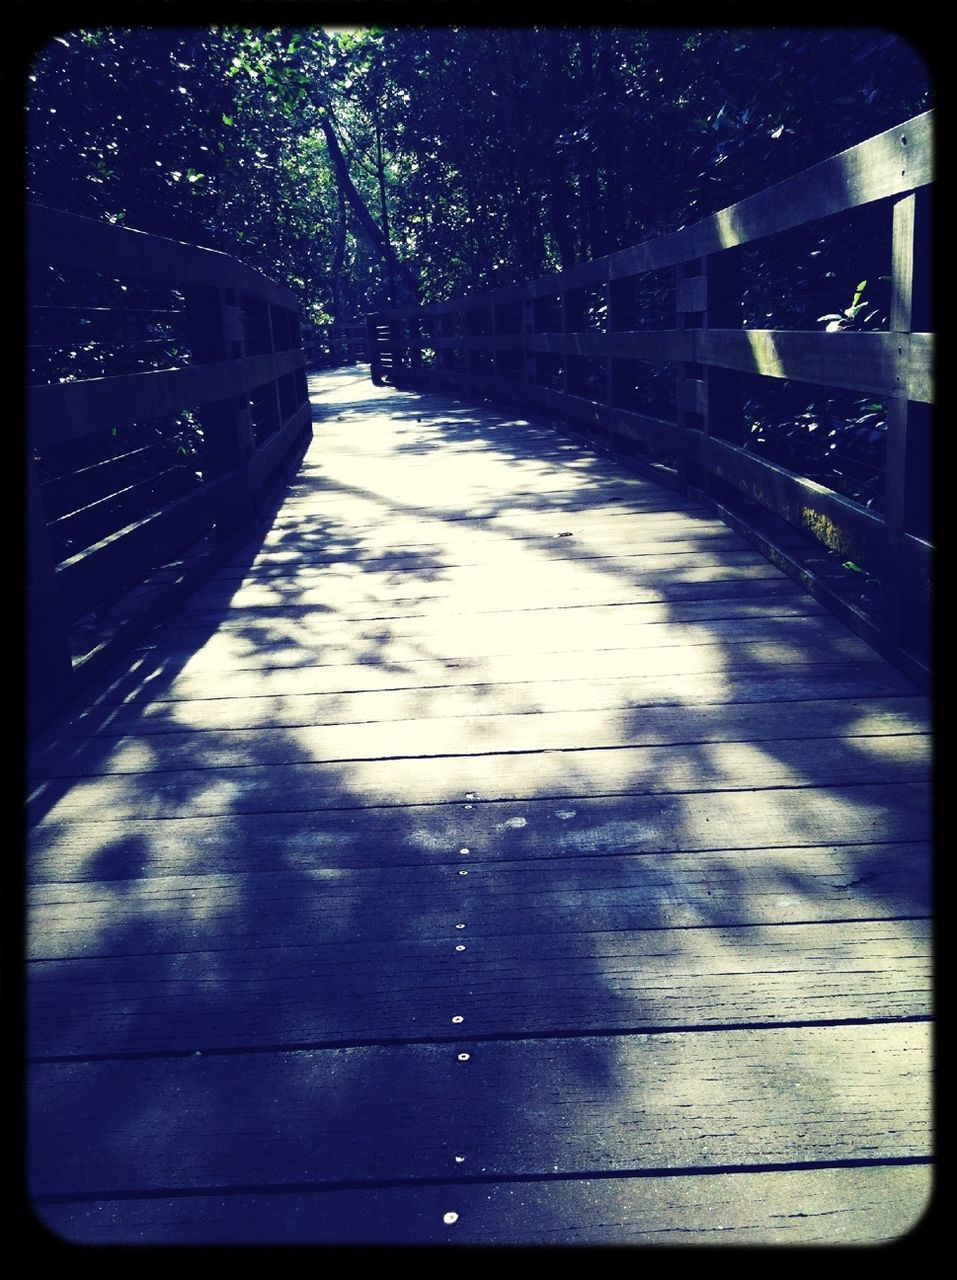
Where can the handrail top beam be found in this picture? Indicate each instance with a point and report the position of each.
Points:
(891, 163)
(55, 237)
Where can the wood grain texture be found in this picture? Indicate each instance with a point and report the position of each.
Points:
(566, 975)
(56, 236)
(496, 731)
(675, 817)
(862, 1206)
(803, 682)
(569, 1106)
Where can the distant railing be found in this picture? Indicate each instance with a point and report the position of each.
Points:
(566, 345)
(167, 402)
(331, 345)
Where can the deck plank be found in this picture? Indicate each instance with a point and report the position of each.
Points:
(572, 978)
(804, 683)
(499, 730)
(862, 1206)
(483, 728)
(579, 1106)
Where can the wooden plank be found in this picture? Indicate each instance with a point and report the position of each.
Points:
(560, 555)
(58, 237)
(891, 163)
(91, 483)
(68, 410)
(855, 720)
(803, 682)
(130, 551)
(345, 592)
(330, 991)
(852, 1206)
(839, 523)
(427, 907)
(244, 786)
(637, 344)
(558, 597)
(163, 675)
(648, 520)
(857, 361)
(295, 668)
(309, 640)
(568, 540)
(919, 378)
(655, 432)
(516, 828)
(665, 1101)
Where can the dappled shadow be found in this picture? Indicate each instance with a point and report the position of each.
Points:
(436, 751)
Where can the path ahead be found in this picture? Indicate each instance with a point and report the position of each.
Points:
(500, 852)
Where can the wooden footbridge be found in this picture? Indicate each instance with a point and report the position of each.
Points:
(480, 842)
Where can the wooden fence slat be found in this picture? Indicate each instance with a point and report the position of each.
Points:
(227, 366)
(71, 240)
(67, 410)
(857, 361)
(839, 523)
(893, 162)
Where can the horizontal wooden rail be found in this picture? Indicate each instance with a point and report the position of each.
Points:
(63, 239)
(527, 344)
(229, 421)
(68, 410)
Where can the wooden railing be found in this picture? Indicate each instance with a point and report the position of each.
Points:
(331, 345)
(167, 403)
(562, 344)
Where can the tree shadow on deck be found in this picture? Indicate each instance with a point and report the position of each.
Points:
(250, 883)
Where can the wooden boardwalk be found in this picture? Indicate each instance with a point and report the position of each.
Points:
(501, 852)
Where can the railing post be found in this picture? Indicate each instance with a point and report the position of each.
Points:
(397, 348)
(614, 323)
(569, 320)
(415, 344)
(272, 348)
(49, 665)
(529, 362)
(708, 295)
(496, 351)
(907, 488)
(216, 332)
(375, 352)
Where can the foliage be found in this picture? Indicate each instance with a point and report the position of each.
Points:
(369, 166)
(480, 155)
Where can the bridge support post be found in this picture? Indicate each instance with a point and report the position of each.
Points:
(907, 469)
(49, 664)
(216, 331)
(375, 349)
(708, 295)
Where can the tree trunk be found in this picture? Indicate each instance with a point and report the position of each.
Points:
(366, 223)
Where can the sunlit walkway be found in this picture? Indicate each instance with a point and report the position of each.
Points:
(502, 851)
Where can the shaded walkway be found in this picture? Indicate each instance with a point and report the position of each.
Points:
(501, 851)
